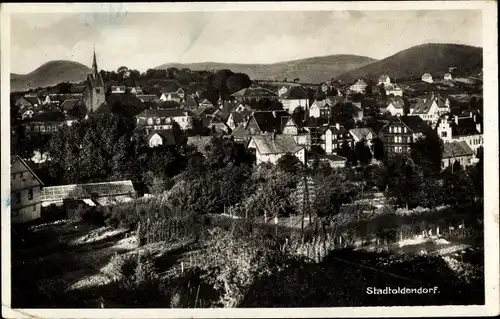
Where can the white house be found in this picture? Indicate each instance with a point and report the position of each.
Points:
(427, 109)
(384, 79)
(393, 89)
(271, 147)
(447, 77)
(293, 98)
(364, 133)
(27, 114)
(158, 138)
(174, 96)
(162, 119)
(426, 77)
(117, 89)
(25, 192)
(359, 86)
(322, 108)
(396, 106)
(467, 129)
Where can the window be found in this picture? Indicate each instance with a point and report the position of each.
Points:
(18, 198)
(444, 134)
(404, 129)
(34, 207)
(21, 174)
(30, 194)
(390, 129)
(158, 120)
(14, 176)
(150, 120)
(99, 91)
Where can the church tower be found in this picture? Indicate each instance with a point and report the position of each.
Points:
(94, 95)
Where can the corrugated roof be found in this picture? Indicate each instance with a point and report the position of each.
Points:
(81, 191)
(280, 144)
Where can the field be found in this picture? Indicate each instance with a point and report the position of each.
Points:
(75, 264)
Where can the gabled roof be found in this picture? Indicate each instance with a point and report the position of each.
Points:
(49, 116)
(118, 87)
(362, 133)
(397, 102)
(279, 144)
(162, 113)
(32, 99)
(173, 95)
(254, 92)
(383, 78)
(466, 126)
(240, 132)
(336, 158)
(423, 106)
(414, 124)
(360, 82)
(457, 149)
(15, 158)
(68, 105)
(146, 97)
(426, 75)
(166, 135)
(206, 102)
(285, 120)
(294, 93)
(190, 102)
(269, 121)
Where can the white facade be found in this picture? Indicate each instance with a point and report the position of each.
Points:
(395, 111)
(427, 78)
(25, 193)
(475, 141)
(155, 140)
(385, 79)
(291, 105)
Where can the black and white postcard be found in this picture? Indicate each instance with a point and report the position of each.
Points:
(282, 159)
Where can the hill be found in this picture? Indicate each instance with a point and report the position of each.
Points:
(311, 70)
(411, 63)
(49, 74)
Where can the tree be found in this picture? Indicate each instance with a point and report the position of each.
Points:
(237, 82)
(383, 93)
(220, 78)
(378, 149)
(299, 115)
(63, 88)
(404, 180)
(289, 163)
(427, 153)
(362, 152)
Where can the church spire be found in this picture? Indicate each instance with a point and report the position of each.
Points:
(94, 64)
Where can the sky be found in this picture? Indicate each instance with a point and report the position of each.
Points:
(147, 40)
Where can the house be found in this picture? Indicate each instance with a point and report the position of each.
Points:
(47, 122)
(94, 95)
(333, 160)
(162, 119)
(261, 122)
(427, 109)
(236, 118)
(269, 148)
(426, 77)
(71, 104)
(206, 103)
(400, 132)
(293, 98)
(447, 77)
(240, 134)
(467, 129)
(33, 100)
(395, 106)
(359, 86)
(135, 90)
(364, 133)
(23, 103)
(174, 96)
(71, 197)
(253, 93)
(147, 98)
(384, 79)
(393, 89)
(117, 89)
(322, 108)
(25, 189)
(190, 103)
(283, 90)
(181, 93)
(324, 87)
(330, 138)
(243, 107)
(456, 151)
(160, 137)
(353, 108)
(27, 113)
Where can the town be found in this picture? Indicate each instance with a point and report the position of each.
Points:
(191, 176)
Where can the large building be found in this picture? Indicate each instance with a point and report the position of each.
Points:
(162, 119)
(293, 98)
(25, 189)
(94, 94)
(271, 147)
(399, 133)
(456, 152)
(462, 128)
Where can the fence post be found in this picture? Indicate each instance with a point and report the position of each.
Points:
(182, 266)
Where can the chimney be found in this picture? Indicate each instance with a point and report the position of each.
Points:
(478, 128)
(473, 116)
(456, 119)
(274, 113)
(337, 125)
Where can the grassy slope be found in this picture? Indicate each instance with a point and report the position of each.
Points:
(312, 70)
(49, 74)
(413, 62)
